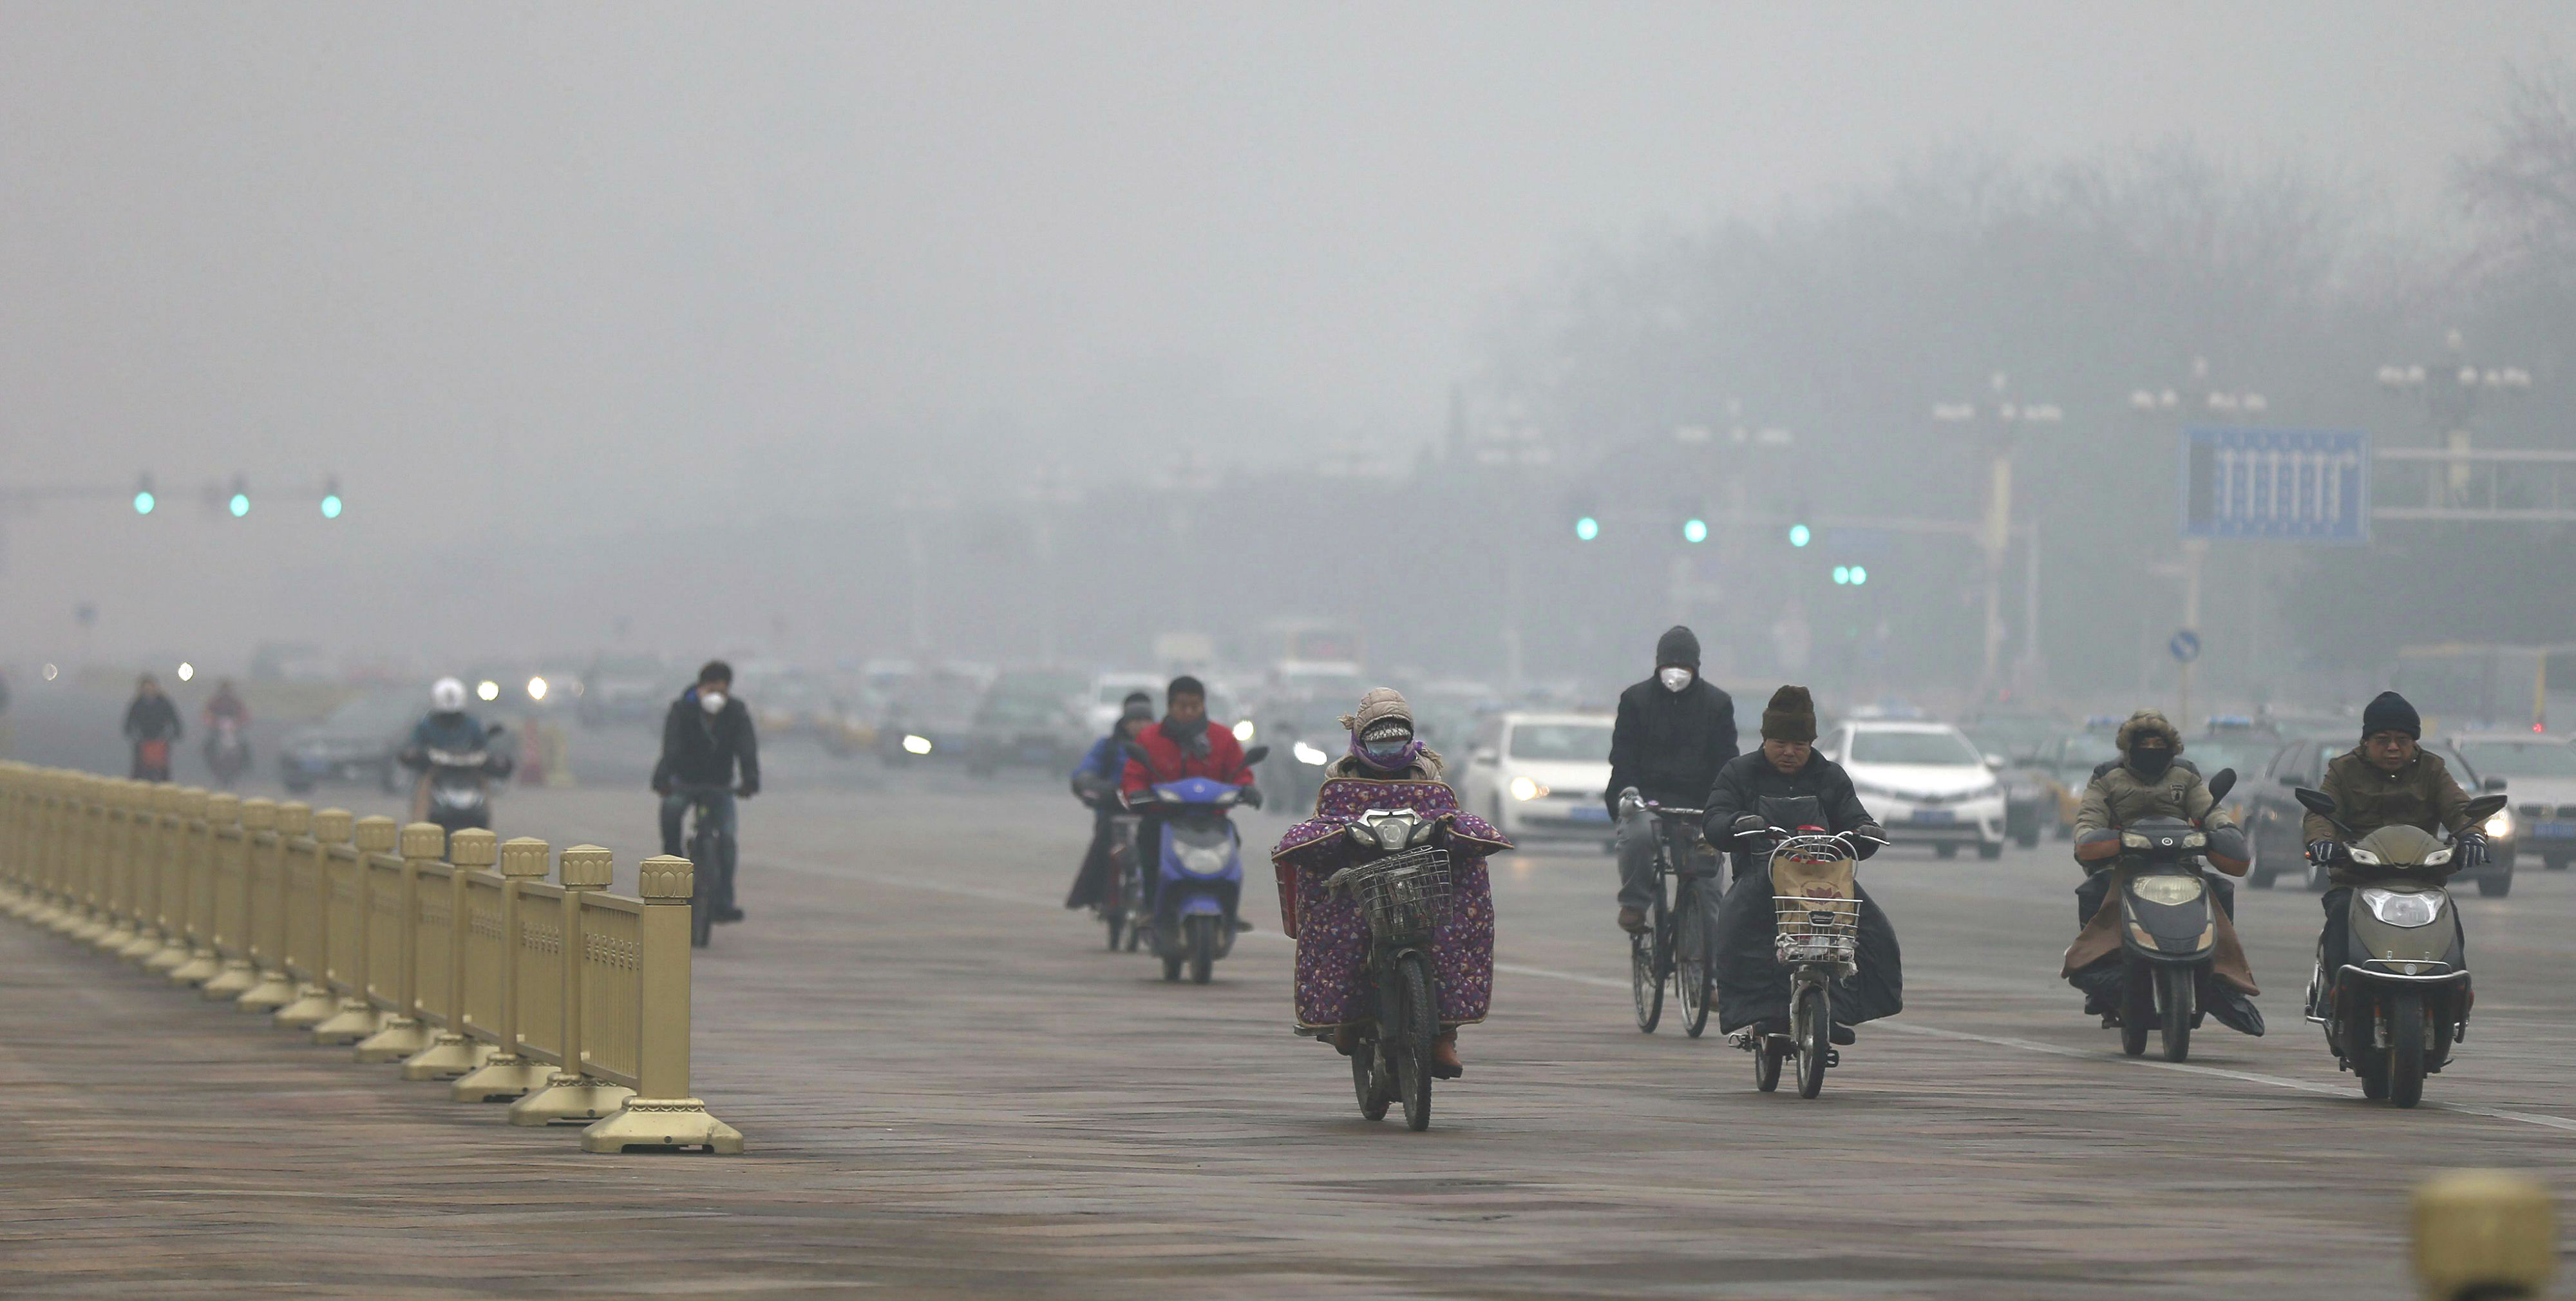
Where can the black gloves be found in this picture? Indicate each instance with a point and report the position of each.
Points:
(2327, 853)
(1747, 824)
(2469, 850)
(1250, 798)
(1865, 839)
(747, 790)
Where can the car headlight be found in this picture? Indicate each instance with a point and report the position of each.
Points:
(1243, 731)
(1525, 789)
(1307, 754)
(2501, 825)
(914, 743)
(2402, 908)
(2166, 888)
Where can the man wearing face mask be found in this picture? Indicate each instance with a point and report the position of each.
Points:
(1184, 744)
(705, 737)
(1673, 733)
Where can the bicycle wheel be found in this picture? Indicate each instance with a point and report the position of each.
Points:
(1691, 978)
(1646, 963)
(1815, 1022)
(1373, 1100)
(1766, 1062)
(1413, 1043)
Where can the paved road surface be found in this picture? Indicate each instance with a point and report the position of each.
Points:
(949, 1090)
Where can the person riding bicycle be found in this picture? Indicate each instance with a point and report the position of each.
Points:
(705, 736)
(1786, 784)
(1096, 783)
(1184, 744)
(1674, 732)
(1387, 766)
(2151, 779)
(2387, 780)
(151, 727)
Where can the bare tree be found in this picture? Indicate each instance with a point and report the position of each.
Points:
(2523, 188)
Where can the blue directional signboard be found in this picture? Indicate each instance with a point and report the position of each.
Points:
(2281, 485)
(2185, 646)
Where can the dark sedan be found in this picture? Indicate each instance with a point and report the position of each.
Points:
(356, 742)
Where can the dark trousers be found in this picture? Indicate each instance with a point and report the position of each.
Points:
(1091, 881)
(675, 808)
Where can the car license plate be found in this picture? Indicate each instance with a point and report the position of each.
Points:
(1936, 815)
(2554, 830)
(1587, 813)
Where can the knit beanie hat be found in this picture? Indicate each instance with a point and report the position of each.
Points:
(2389, 712)
(1677, 649)
(1791, 716)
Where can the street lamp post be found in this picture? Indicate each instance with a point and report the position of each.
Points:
(2001, 418)
(2219, 404)
(2452, 394)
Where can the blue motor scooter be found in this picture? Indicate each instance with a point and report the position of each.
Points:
(1200, 873)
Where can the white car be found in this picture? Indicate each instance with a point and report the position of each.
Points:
(2540, 771)
(1110, 689)
(1925, 782)
(1540, 774)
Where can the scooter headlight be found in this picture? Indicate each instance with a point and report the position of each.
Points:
(2134, 840)
(2438, 857)
(2166, 888)
(2407, 908)
(1202, 860)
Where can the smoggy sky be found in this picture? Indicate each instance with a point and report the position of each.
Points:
(582, 260)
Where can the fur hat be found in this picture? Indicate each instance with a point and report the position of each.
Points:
(1791, 716)
(2148, 722)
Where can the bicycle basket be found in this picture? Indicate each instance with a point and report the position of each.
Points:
(1401, 895)
(1817, 904)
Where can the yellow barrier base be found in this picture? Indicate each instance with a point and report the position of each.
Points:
(447, 1057)
(400, 1038)
(272, 992)
(232, 982)
(569, 1099)
(197, 968)
(353, 1023)
(501, 1079)
(662, 1123)
(144, 944)
(313, 1005)
(115, 938)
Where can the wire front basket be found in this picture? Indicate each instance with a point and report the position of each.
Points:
(1402, 895)
(1822, 924)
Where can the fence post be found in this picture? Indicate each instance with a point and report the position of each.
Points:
(569, 1095)
(205, 879)
(80, 864)
(242, 889)
(662, 1114)
(116, 858)
(150, 838)
(358, 1016)
(403, 1034)
(314, 1002)
(275, 989)
(2484, 1235)
(454, 1052)
(508, 1075)
(179, 882)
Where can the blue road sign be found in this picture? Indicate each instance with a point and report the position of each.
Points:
(2282, 485)
(2185, 646)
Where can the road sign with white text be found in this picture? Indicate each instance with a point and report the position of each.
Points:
(2281, 485)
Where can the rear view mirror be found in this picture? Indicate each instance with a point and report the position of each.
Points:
(2315, 801)
(1255, 755)
(1485, 754)
(2290, 780)
(2219, 785)
(2492, 784)
(2484, 807)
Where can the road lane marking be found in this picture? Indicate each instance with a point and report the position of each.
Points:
(1603, 982)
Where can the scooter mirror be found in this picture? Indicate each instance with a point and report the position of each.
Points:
(2484, 807)
(1255, 755)
(2290, 780)
(2219, 785)
(494, 730)
(2314, 801)
(2492, 784)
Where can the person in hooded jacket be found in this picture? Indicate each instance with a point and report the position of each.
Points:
(707, 735)
(1674, 731)
(1786, 784)
(1096, 782)
(2150, 779)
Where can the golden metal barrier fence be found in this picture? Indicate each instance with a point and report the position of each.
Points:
(448, 954)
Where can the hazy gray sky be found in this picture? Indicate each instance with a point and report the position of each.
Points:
(599, 258)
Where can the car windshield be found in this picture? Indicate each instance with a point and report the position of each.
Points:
(1913, 747)
(1116, 692)
(369, 715)
(1563, 742)
(2520, 758)
(2209, 756)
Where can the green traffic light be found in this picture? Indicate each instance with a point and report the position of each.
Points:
(1859, 575)
(239, 505)
(1798, 535)
(143, 503)
(1695, 530)
(1587, 528)
(331, 506)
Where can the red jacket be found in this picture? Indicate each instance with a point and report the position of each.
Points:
(1170, 763)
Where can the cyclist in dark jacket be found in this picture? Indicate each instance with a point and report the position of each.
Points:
(1095, 783)
(1673, 733)
(705, 737)
(152, 725)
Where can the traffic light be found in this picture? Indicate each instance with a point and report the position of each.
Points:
(239, 502)
(1586, 528)
(1693, 513)
(1850, 575)
(1694, 529)
(1586, 516)
(1799, 535)
(331, 497)
(144, 501)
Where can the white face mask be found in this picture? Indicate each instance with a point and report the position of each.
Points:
(1674, 679)
(711, 701)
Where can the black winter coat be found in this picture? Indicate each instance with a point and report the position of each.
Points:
(151, 718)
(701, 749)
(1744, 783)
(1669, 744)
